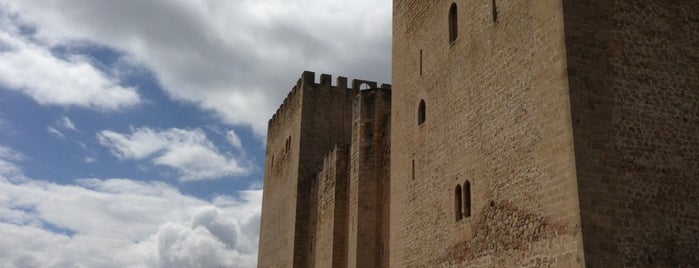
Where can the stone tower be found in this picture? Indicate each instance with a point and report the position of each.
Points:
(545, 133)
(538, 133)
(326, 185)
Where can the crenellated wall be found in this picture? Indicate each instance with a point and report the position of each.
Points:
(369, 179)
(313, 119)
(278, 219)
(522, 133)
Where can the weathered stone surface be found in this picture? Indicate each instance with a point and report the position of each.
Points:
(326, 186)
(556, 133)
(498, 116)
(634, 86)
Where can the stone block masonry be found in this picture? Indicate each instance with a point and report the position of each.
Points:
(634, 87)
(496, 139)
(369, 179)
(331, 218)
(306, 202)
(522, 133)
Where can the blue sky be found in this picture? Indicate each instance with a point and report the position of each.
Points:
(132, 132)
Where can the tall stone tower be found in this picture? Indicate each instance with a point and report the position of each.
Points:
(545, 133)
(299, 134)
(326, 184)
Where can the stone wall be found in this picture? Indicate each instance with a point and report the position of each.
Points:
(330, 234)
(554, 134)
(369, 179)
(498, 117)
(277, 227)
(634, 86)
(311, 121)
(326, 121)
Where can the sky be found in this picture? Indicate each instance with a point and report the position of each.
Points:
(132, 133)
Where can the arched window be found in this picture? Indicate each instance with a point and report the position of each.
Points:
(421, 112)
(453, 24)
(457, 203)
(467, 199)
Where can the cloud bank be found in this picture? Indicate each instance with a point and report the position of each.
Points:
(236, 59)
(122, 223)
(74, 81)
(189, 152)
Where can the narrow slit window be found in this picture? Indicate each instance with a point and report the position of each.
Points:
(288, 144)
(421, 112)
(467, 199)
(457, 203)
(420, 61)
(453, 24)
(495, 11)
(413, 169)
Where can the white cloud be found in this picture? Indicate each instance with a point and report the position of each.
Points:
(89, 160)
(237, 59)
(124, 223)
(8, 159)
(234, 140)
(74, 81)
(8, 153)
(190, 152)
(55, 132)
(66, 123)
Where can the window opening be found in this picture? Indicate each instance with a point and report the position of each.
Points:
(288, 144)
(413, 169)
(467, 199)
(453, 24)
(457, 203)
(420, 61)
(364, 86)
(421, 112)
(495, 11)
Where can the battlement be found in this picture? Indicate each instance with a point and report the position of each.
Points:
(308, 81)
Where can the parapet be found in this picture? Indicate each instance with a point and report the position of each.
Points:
(307, 81)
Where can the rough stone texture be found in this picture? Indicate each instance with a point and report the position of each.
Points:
(306, 193)
(330, 245)
(369, 179)
(315, 117)
(575, 123)
(498, 115)
(634, 83)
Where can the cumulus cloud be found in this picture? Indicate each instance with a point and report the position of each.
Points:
(189, 152)
(33, 70)
(237, 59)
(124, 223)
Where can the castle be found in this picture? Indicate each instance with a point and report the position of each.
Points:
(537, 133)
